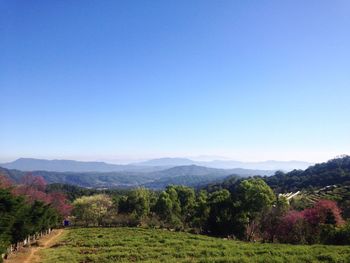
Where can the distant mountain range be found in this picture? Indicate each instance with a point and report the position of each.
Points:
(184, 175)
(229, 164)
(156, 173)
(190, 175)
(30, 164)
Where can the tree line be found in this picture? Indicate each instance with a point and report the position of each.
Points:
(252, 211)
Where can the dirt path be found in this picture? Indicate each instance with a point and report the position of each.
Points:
(30, 255)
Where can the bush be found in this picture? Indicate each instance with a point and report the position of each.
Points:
(152, 221)
(126, 220)
(338, 236)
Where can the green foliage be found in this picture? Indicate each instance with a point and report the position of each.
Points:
(73, 192)
(12, 210)
(164, 206)
(104, 245)
(237, 213)
(254, 196)
(220, 219)
(336, 235)
(329, 180)
(139, 202)
(333, 172)
(19, 218)
(187, 201)
(168, 207)
(188, 180)
(92, 209)
(179, 207)
(201, 212)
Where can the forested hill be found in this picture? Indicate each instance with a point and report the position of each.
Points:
(88, 179)
(190, 175)
(333, 172)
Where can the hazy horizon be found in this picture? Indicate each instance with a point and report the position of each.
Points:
(250, 81)
(120, 159)
(131, 160)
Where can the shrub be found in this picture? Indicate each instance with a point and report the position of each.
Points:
(338, 236)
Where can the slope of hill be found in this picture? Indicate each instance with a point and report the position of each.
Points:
(190, 180)
(88, 179)
(196, 176)
(333, 172)
(157, 245)
(188, 170)
(339, 193)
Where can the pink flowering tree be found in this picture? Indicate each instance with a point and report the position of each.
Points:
(291, 228)
(308, 225)
(34, 189)
(5, 182)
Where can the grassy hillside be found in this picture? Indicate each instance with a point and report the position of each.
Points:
(150, 245)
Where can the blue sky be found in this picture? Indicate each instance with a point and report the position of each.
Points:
(107, 80)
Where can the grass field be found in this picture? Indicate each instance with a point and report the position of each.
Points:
(147, 245)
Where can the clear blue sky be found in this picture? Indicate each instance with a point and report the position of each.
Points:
(250, 80)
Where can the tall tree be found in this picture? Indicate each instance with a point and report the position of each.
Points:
(139, 202)
(253, 197)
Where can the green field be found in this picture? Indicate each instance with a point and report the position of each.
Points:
(148, 245)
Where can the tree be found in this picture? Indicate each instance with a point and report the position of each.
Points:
(220, 219)
(10, 210)
(187, 200)
(168, 207)
(139, 202)
(291, 228)
(33, 188)
(201, 211)
(324, 212)
(320, 219)
(59, 202)
(91, 209)
(312, 225)
(253, 198)
(174, 197)
(35, 182)
(272, 218)
(164, 206)
(5, 182)
(26, 210)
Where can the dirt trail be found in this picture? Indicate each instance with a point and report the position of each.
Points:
(30, 255)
